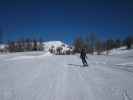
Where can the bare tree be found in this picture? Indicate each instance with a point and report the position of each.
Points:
(1, 36)
(118, 43)
(92, 41)
(109, 45)
(99, 47)
(128, 41)
(59, 50)
(41, 45)
(78, 44)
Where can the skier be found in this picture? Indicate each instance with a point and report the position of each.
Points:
(83, 57)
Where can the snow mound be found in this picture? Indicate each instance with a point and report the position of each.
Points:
(26, 56)
(119, 51)
(56, 44)
(3, 46)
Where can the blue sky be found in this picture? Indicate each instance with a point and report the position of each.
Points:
(65, 19)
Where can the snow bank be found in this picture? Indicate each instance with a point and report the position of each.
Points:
(56, 44)
(121, 50)
(27, 55)
(118, 51)
(3, 46)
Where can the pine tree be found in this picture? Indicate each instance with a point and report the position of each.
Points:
(92, 39)
(109, 45)
(1, 36)
(99, 47)
(118, 43)
(128, 42)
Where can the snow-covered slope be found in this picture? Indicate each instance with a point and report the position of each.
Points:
(39, 76)
(119, 51)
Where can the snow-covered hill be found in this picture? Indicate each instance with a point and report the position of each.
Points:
(56, 44)
(118, 51)
(121, 50)
(3, 46)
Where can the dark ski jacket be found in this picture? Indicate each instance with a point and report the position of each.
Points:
(83, 54)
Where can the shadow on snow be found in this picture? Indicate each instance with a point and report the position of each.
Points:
(75, 65)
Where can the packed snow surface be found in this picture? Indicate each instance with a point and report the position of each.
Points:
(43, 76)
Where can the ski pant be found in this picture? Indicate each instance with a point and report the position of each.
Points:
(84, 61)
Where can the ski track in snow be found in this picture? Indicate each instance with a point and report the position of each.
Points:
(64, 78)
